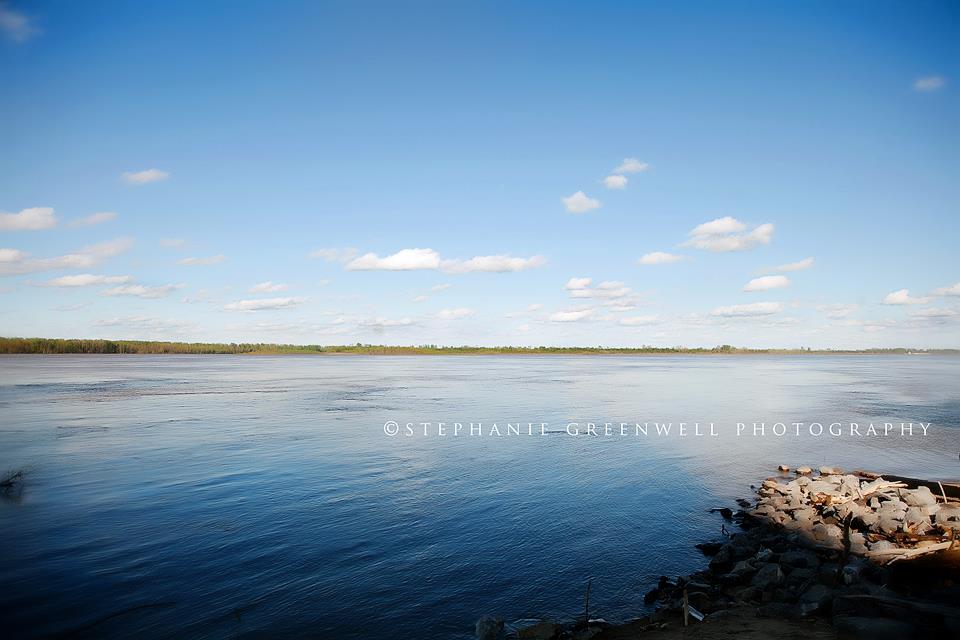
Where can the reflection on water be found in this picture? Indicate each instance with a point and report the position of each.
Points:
(209, 496)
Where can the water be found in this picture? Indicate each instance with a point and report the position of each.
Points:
(242, 496)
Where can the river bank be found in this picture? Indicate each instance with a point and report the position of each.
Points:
(818, 554)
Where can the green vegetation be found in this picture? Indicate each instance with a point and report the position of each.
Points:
(57, 345)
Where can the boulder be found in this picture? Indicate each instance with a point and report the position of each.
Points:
(800, 559)
(783, 468)
(542, 630)
(768, 576)
(489, 628)
(917, 521)
(816, 598)
(919, 497)
(802, 471)
(947, 515)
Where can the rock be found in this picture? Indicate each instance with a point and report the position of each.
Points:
(802, 471)
(799, 576)
(709, 548)
(865, 520)
(830, 471)
(543, 630)
(874, 628)
(783, 468)
(800, 558)
(826, 533)
(817, 597)
(947, 515)
(887, 523)
(768, 575)
(881, 545)
(916, 520)
(700, 601)
(919, 497)
(489, 628)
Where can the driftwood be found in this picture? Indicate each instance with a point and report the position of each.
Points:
(907, 554)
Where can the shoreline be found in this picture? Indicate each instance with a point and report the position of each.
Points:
(82, 346)
(824, 553)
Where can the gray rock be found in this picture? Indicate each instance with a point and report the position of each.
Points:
(543, 630)
(817, 597)
(800, 558)
(826, 533)
(887, 523)
(917, 521)
(881, 545)
(866, 520)
(768, 575)
(919, 497)
(489, 628)
(948, 514)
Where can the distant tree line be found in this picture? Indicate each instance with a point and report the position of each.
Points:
(58, 345)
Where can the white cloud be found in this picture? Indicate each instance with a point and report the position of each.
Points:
(94, 218)
(440, 287)
(421, 298)
(799, 265)
(720, 226)
(571, 315)
(748, 310)
(141, 291)
(172, 243)
(150, 325)
(837, 311)
(728, 234)
(199, 262)
(578, 283)
(11, 255)
(534, 307)
(660, 257)
(932, 312)
(264, 304)
(639, 321)
(607, 289)
(952, 290)
(424, 259)
(765, 283)
(380, 324)
(902, 296)
(14, 262)
(631, 165)
(929, 83)
(615, 182)
(404, 260)
(493, 264)
(268, 287)
(31, 219)
(145, 177)
(85, 280)
(334, 255)
(15, 26)
(580, 203)
(455, 314)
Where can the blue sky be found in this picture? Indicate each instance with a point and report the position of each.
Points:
(310, 148)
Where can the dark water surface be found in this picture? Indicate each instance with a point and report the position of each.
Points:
(260, 496)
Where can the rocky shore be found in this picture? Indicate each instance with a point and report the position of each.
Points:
(823, 553)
